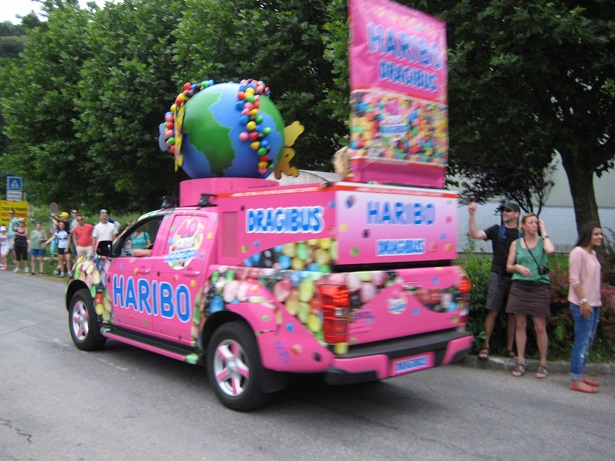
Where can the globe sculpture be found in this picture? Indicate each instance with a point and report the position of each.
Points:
(224, 130)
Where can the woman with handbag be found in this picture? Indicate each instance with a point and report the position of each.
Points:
(585, 301)
(529, 292)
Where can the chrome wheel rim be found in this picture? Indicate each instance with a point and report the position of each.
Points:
(80, 317)
(230, 368)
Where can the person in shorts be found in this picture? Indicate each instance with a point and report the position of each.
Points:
(501, 236)
(82, 236)
(63, 238)
(37, 251)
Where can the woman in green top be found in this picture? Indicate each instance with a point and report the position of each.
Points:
(37, 237)
(529, 291)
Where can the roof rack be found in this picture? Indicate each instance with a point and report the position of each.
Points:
(169, 202)
(205, 200)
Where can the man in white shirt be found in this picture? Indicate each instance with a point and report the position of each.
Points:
(104, 230)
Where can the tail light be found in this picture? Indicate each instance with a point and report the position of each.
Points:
(465, 287)
(335, 301)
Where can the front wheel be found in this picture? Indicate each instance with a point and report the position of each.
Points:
(234, 367)
(83, 323)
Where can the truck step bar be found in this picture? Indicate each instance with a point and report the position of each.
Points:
(158, 346)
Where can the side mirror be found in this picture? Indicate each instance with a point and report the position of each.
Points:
(103, 248)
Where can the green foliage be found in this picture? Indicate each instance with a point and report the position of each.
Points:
(512, 105)
(82, 103)
(280, 43)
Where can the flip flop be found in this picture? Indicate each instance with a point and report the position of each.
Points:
(510, 354)
(484, 353)
(588, 390)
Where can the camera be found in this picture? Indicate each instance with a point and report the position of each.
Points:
(542, 270)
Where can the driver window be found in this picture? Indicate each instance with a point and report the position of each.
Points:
(141, 237)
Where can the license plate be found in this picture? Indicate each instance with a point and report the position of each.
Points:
(410, 364)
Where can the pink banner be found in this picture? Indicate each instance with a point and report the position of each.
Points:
(398, 82)
(396, 48)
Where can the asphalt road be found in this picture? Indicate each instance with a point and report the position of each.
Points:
(122, 403)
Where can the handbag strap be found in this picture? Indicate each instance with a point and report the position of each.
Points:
(530, 251)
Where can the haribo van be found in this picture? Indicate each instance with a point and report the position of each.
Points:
(256, 281)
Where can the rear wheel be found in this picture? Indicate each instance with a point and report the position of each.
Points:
(83, 323)
(234, 367)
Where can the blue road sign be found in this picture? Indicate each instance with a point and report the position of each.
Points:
(13, 184)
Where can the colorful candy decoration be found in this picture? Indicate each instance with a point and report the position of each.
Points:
(224, 130)
(174, 118)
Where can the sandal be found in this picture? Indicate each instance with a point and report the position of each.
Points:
(542, 372)
(590, 382)
(510, 354)
(587, 388)
(484, 353)
(519, 370)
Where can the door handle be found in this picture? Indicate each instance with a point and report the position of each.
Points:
(191, 273)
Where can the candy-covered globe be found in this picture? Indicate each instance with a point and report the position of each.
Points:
(212, 133)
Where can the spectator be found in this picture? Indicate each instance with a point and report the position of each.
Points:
(83, 237)
(74, 223)
(585, 301)
(53, 250)
(63, 238)
(37, 250)
(12, 225)
(5, 240)
(73, 244)
(104, 230)
(501, 237)
(529, 291)
(21, 244)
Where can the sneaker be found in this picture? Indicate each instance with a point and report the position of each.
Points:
(61, 274)
(2, 268)
(25, 269)
(16, 269)
(55, 272)
(13, 263)
(32, 273)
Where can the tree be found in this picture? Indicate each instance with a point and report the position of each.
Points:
(125, 89)
(533, 77)
(38, 106)
(280, 43)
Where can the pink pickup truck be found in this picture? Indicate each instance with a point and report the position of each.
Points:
(256, 281)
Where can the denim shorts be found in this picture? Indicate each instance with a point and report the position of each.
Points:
(37, 252)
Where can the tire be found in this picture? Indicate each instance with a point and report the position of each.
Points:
(83, 322)
(234, 367)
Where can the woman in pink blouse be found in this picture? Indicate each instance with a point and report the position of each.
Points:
(585, 302)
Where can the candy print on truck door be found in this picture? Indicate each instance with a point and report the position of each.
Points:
(179, 275)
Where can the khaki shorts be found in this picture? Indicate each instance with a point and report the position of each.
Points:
(84, 251)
